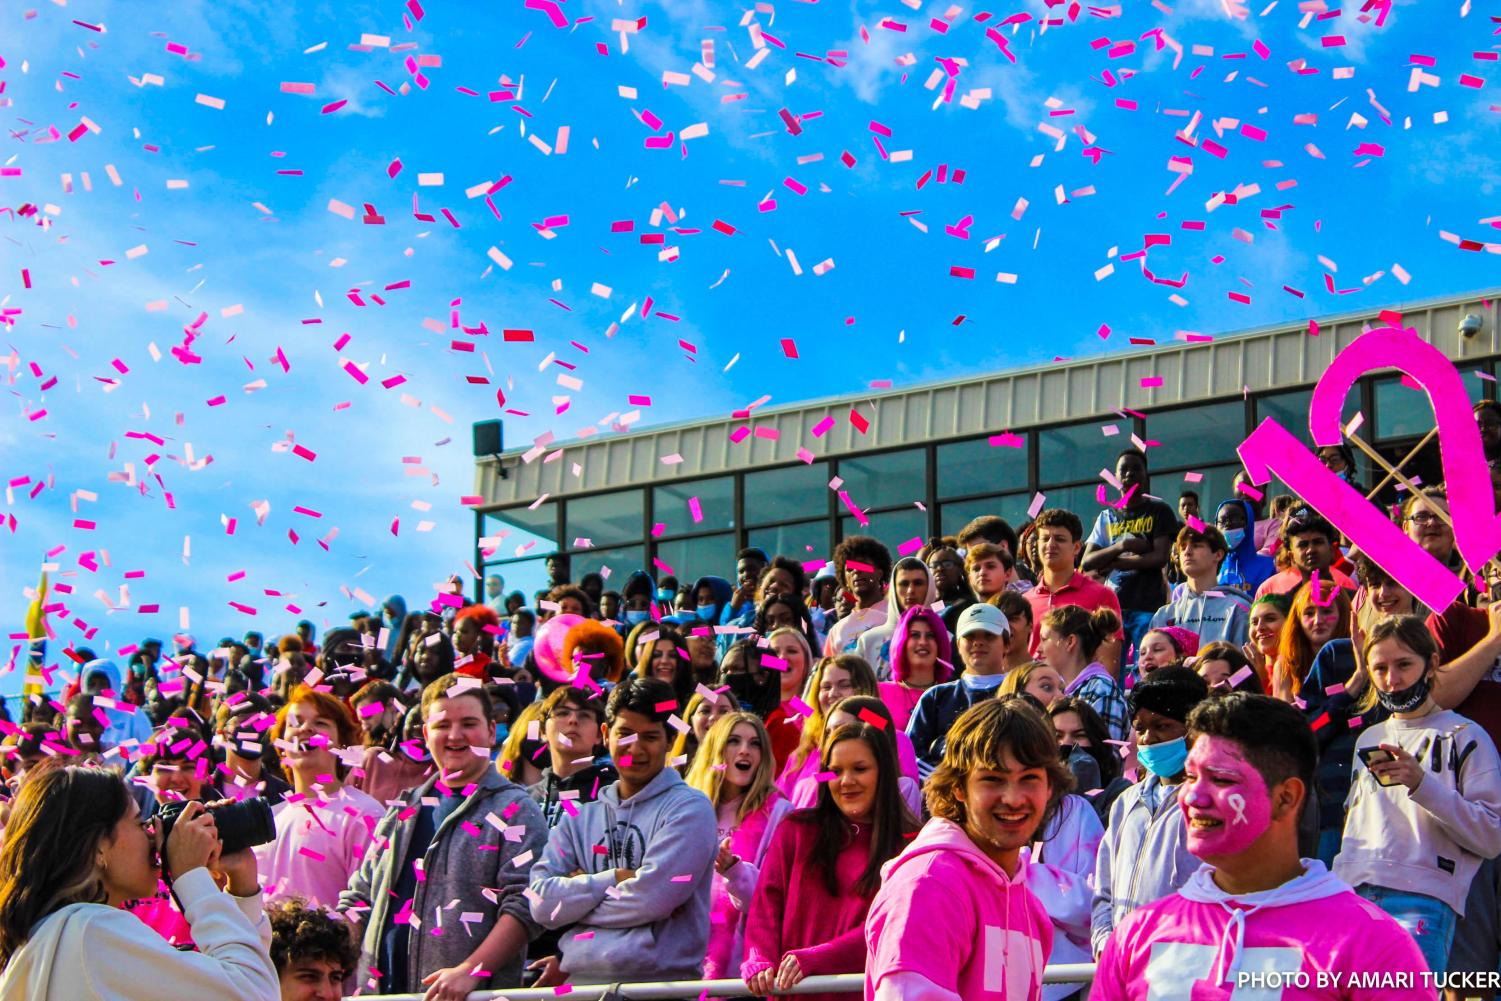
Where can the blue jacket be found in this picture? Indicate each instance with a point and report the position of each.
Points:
(1244, 567)
(935, 713)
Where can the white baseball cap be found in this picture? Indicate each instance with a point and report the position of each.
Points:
(981, 616)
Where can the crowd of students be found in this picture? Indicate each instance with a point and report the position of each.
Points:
(1190, 751)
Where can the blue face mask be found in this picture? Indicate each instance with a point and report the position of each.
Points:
(706, 612)
(1234, 537)
(1164, 760)
(502, 731)
(635, 618)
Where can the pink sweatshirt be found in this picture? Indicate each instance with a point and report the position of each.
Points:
(1195, 943)
(949, 923)
(733, 891)
(793, 912)
(319, 844)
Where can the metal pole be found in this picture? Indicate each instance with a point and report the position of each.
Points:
(852, 983)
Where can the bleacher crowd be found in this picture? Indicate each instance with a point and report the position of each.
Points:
(1189, 744)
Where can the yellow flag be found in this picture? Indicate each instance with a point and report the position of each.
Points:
(36, 629)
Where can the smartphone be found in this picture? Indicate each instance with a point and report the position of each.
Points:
(1376, 756)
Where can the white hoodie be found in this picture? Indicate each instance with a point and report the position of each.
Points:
(92, 952)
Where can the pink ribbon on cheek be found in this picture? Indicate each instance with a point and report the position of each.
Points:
(1237, 803)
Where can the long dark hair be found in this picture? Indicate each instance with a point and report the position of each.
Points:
(51, 841)
(891, 822)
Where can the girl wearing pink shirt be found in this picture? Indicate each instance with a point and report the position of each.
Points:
(733, 768)
(954, 919)
(920, 659)
(824, 866)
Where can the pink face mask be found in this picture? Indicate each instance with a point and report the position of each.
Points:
(1224, 799)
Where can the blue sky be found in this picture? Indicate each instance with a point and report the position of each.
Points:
(260, 254)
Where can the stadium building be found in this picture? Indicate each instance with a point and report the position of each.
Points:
(924, 460)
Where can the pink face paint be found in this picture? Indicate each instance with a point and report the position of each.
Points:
(1271, 449)
(1225, 801)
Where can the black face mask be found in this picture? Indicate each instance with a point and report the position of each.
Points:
(1407, 699)
(761, 698)
(1064, 750)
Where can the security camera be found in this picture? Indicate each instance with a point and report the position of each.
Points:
(1471, 324)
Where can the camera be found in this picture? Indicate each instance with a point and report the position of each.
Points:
(239, 825)
(1471, 325)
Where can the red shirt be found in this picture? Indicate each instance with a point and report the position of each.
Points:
(1081, 590)
(785, 735)
(1458, 629)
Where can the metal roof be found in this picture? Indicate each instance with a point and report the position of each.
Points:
(1269, 358)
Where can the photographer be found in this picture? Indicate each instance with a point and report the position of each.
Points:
(75, 850)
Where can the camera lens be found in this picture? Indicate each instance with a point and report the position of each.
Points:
(239, 825)
(244, 824)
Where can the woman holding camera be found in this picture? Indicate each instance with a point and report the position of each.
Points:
(75, 851)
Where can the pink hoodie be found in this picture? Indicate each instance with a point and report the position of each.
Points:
(733, 891)
(948, 914)
(793, 912)
(1195, 943)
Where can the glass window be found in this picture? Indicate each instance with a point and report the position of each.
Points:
(1213, 488)
(1404, 412)
(605, 519)
(890, 527)
(1011, 507)
(1194, 436)
(526, 576)
(805, 541)
(615, 564)
(977, 467)
(1081, 500)
(784, 494)
(716, 502)
(885, 480)
(691, 559)
(519, 532)
(1291, 410)
(1080, 452)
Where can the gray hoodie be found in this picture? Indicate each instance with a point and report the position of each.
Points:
(477, 868)
(1143, 858)
(1220, 613)
(650, 928)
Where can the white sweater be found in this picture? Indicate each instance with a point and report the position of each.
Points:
(93, 952)
(1430, 841)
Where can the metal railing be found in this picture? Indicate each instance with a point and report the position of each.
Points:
(853, 983)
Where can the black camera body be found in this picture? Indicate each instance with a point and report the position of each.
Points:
(241, 825)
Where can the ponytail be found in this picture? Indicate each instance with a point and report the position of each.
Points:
(1091, 628)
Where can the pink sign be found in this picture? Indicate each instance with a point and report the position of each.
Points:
(1272, 450)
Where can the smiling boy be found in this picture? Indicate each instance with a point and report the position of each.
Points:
(954, 920)
(1255, 908)
(462, 832)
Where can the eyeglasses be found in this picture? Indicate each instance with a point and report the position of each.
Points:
(1423, 518)
(940, 564)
